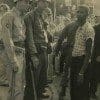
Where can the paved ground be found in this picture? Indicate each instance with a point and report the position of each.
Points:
(54, 91)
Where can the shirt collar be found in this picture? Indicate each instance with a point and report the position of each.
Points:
(15, 10)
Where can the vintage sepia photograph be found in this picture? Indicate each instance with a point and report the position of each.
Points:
(49, 49)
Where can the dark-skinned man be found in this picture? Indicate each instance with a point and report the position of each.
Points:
(36, 52)
(80, 37)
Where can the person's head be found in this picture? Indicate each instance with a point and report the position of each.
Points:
(4, 8)
(42, 3)
(47, 3)
(22, 6)
(68, 15)
(82, 13)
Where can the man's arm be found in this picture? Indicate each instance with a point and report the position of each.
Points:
(29, 36)
(87, 56)
(30, 44)
(89, 36)
(62, 36)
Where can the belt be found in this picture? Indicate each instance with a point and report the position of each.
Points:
(5, 85)
(78, 57)
(1, 46)
(19, 44)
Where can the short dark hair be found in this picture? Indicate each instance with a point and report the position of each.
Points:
(86, 8)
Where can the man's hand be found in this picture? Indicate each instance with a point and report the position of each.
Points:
(80, 78)
(35, 61)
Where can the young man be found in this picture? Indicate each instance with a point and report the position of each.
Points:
(13, 36)
(36, 52)
(80, 36)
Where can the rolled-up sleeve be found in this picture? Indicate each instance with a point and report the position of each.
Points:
(89, 33)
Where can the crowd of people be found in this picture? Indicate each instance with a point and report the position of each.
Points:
(30, 42)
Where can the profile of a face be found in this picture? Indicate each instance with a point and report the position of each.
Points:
(3, 8)
(82, 13)
(41, 4)
(23, 7)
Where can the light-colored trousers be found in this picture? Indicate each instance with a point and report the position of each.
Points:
(19, 77)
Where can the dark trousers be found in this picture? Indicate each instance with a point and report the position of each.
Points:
(78, 91)
(95, 77)
(65, 76)
(40, 76)
(42, 72)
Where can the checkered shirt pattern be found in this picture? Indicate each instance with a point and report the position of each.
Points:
(82, 34)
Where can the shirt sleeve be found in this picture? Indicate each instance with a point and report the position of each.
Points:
(19, 26)
(89, 33)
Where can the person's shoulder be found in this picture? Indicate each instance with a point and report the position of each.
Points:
(7, 17)
(8, 14)
(48, 10)
(88, 25)
(70, 25)
(29, 15)
(89, 30)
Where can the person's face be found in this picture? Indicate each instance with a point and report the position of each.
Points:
(46, 4)
(2, 10)
(23, 7)
(81, 14)
(41, 4)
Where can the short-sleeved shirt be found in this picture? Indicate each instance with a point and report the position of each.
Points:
(82, 35)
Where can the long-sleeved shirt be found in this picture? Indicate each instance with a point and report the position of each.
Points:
(12, 32)
(36, 36)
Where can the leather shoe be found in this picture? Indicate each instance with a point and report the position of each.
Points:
(45, 95)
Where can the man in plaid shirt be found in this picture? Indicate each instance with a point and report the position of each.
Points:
(80, 37)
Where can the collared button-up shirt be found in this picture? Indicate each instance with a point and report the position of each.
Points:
(82, 35)
(12, 31)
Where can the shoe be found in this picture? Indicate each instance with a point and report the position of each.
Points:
(45, 95)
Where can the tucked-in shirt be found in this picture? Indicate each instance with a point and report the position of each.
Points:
(12, 31)
(82, 35)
